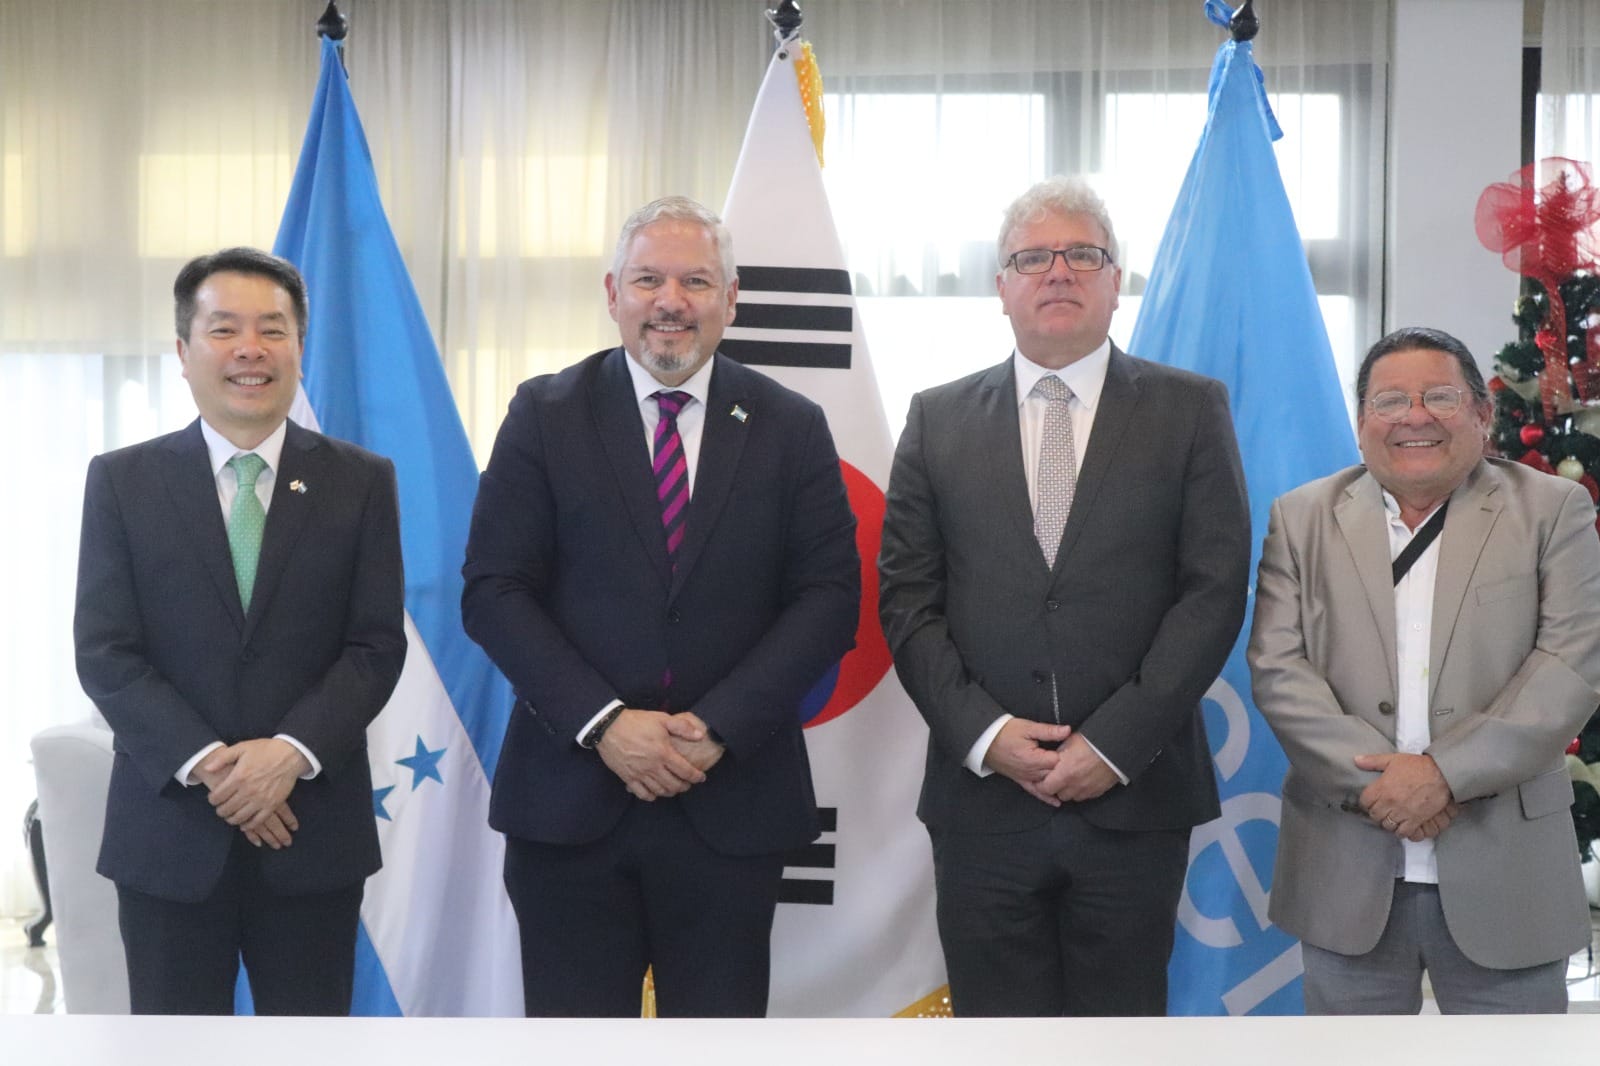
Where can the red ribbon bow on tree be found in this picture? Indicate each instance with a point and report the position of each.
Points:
(1542, 222)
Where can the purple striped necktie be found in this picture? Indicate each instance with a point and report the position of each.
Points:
(671, 469)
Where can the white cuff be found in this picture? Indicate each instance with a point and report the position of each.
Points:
(185, 774)
(1120, 775)
(974, 759)
(316, 767)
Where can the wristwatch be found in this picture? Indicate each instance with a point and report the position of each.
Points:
(598, 730)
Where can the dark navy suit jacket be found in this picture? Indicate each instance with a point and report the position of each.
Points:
(569, 589)
(173, 662)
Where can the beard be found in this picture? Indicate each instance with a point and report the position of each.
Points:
(662, 360)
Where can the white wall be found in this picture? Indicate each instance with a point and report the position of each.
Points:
(1455, 122)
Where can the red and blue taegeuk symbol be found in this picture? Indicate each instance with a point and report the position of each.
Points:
(859, 672)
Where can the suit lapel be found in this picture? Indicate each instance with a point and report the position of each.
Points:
(722, 443)
(300, 463)
(1474, 506)
(1363, 525)
(616, 415)
(1116, 412)
(193, 488)
(994, 440)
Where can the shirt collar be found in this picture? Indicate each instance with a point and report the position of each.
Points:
(221, 449)
(1086, 377)
(1391, 508)
(645, 385)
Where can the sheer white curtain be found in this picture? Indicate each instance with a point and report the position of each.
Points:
(510, 137)
(940, 113)
(1568, 118)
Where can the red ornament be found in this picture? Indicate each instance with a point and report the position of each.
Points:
(1496, 385)
(1531, 436)
(1537, 461)
(1589, 483)
(1573, 748)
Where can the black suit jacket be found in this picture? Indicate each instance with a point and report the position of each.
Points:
(167, 654)
(569, 589)
(1135, 620)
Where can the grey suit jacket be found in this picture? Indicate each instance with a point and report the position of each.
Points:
(1514, 667)
(1134, 621)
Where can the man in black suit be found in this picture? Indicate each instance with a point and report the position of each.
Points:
(1065, 552)
(239, 622)
(662, 561)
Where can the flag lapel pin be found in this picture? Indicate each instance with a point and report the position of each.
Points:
(740, 413)
(297, 486)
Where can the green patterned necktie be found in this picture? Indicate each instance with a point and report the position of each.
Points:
(245, 523)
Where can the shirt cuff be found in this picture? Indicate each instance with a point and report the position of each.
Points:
(591, 723)
(974, 759)
(316, 767)
(185, 774)
(1113, 766)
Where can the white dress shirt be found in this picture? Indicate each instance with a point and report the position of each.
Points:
(220, 450)
(1413, 635)
(691, 427)
(1087, 379)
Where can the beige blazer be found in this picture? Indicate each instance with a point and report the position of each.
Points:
(1514, 669)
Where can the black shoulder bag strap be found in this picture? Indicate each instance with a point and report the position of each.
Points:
(1419, 543)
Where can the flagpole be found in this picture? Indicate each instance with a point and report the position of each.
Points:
(1243, 26)
(335, 27)
(786, 19)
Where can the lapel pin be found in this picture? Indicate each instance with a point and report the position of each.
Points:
(740, 413)
(297, 486)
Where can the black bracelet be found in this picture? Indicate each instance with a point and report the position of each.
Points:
(592, 737)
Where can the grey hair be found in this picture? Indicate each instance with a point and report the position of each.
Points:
(1059, 195)
(678, 209)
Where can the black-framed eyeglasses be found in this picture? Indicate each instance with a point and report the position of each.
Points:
(1441, 401)
(1040, 260)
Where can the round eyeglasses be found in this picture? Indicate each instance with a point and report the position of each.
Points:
(1441, 401)
(1040, 260)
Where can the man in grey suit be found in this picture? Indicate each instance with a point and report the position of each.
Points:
(1426, 643)
(1065, 553)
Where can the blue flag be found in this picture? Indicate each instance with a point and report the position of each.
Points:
(1230, 296)
(437, 933)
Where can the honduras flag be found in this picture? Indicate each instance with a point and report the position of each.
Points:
(437, 936)
(1230, 296)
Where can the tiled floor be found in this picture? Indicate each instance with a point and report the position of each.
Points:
(30, 977)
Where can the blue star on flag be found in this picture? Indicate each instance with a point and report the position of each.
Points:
(378, 796)
(423, 764)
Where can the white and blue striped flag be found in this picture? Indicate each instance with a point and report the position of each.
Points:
(437, 935)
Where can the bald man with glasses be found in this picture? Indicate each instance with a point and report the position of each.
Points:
(1426, 643)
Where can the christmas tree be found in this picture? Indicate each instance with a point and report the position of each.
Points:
(1546, 385)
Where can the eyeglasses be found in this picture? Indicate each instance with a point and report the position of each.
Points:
(1040, 260)
(1441, 401)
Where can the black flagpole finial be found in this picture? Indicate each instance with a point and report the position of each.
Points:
(332, 24)
(785, 18)
(1244, 25)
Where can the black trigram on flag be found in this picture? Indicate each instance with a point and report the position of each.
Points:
(817, 856)
(792, 316)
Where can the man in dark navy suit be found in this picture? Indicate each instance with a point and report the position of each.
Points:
(239, 622)
(663, 562)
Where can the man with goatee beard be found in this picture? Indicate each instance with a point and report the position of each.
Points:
(662, 561)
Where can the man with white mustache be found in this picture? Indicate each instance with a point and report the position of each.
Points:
(662, 561)
(1426, 643)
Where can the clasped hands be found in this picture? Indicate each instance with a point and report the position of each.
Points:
(1071, 772)
(657, 754)
(249, 785)
(1410, 798)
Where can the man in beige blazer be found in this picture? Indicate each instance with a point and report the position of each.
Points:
(1424, 713)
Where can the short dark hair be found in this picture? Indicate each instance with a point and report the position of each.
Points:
(253, 261)
(1413, 338)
